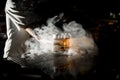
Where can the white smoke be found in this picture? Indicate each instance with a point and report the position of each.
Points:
(79, 58)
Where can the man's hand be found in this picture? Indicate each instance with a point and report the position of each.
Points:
(32, 33)
(37, 38)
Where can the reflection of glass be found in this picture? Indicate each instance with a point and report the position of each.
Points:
(61, 44)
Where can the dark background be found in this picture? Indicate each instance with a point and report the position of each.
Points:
(102, 18)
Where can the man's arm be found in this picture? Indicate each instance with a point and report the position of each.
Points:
(32, 33)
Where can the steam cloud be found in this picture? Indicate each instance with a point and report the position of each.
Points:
(79, 58)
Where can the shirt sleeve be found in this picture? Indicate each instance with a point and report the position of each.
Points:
(19, 14)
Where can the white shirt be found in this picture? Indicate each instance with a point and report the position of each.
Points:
(16, 35)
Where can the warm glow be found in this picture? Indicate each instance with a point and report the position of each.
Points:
(62, 44)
